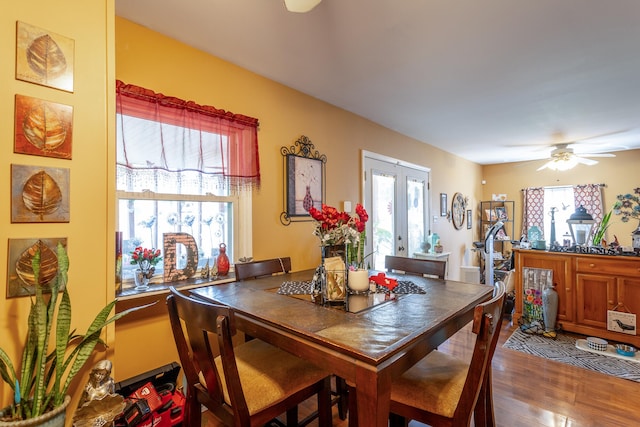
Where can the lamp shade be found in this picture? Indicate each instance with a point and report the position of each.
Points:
(580, 224)
(300, 6)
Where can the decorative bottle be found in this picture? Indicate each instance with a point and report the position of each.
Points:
(223, 261)
(549, 310)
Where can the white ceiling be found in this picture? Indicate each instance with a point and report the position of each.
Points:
(489, 80)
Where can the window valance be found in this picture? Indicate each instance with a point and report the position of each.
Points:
(178, 140)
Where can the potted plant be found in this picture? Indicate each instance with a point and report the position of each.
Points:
(41, 384)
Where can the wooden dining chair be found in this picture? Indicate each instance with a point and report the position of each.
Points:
(246, 385)
(442, 390)
(415, 266)
(267, 267)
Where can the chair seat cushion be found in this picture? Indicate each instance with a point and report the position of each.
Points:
(268, 374)
(434, 384)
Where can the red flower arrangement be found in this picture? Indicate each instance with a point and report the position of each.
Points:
(334, 227)
(145, 258)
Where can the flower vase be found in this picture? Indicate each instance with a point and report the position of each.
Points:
(223, 261)
(307, 202)
(549, 310)
(333, 278)
(141, 278)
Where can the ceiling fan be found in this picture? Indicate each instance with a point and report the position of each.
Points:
(564, 158)
(300, 6)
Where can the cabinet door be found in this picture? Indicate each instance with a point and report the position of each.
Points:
(595, 294)
(629, 294)
(562, 279)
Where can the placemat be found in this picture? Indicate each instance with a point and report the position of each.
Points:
(295, 287)
(404, 287)
(304, 288)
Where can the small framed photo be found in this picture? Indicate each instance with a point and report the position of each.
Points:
(443, 204)
(469, 214)
(501, 235)
(490, 214)
(501, 213)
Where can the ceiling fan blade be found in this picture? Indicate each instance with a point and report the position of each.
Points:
(546, 165)
(300, 6)
(595, 154)
(585, 161)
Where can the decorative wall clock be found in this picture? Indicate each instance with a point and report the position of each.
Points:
(458, 210)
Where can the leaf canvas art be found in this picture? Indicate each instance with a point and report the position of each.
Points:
(21, 278)
(43, 57)
(43, 128)
(39, 194)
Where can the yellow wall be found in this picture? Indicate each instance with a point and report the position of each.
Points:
(617, 173)
(148, 59)
(90, 230)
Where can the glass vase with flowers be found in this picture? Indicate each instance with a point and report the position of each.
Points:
(146, 260)
(341, 229)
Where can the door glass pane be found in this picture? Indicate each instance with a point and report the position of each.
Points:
(415, 215)
(383, 218)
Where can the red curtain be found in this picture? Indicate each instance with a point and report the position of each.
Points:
(176, 139)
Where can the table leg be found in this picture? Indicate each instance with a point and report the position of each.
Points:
(373, 393)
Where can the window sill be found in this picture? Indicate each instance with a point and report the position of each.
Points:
(128, 291)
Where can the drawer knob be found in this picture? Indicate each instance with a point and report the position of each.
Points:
(592, 265)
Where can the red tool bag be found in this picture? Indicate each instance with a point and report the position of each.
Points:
(152, 399)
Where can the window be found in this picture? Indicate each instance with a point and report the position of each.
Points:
(182, 168)
(558, 200)
(544, 204)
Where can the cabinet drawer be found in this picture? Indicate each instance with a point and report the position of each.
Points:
(605, 266)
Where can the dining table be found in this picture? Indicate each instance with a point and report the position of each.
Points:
(368, 339)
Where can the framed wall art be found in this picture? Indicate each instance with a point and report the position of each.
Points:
(39, 194)
(44, 58)
(501, 213)
(43, 128)
(443, 204)
(304, 169)
(469, 214)
(20, 277)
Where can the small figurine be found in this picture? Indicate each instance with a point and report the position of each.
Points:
(204, 273)
(100, 383)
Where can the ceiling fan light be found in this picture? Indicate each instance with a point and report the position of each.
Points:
(561, 164)
(300, 6)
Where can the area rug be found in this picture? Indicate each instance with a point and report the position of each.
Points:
(563, 349)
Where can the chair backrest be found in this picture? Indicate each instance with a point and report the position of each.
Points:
(267, 267)
(416, 266)
(487, 322)
(192, 322)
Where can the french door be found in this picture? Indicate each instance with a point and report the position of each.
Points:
(396, 195)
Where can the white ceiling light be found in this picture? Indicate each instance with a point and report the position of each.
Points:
(563, 158)
(561, 164)
(300, 6)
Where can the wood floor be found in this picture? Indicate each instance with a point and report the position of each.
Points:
(530, 391)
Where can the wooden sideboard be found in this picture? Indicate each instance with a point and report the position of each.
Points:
(587, 286)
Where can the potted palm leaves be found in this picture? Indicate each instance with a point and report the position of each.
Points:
(40, 383)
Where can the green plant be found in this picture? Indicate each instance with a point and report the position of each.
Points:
(43, 380)
(598, 235)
